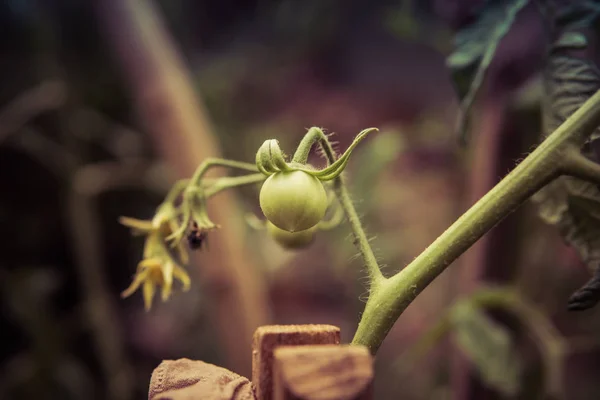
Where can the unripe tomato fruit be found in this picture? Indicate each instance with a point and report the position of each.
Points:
(289, 240)
(293, 201)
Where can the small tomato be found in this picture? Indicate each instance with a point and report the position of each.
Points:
(289, 240)
(293, 201)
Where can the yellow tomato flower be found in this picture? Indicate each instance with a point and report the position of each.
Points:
(159, 266)
(152, 273)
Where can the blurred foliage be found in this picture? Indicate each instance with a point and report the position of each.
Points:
(571, 76)
(475, 46)
(489, 346)
(264, 69)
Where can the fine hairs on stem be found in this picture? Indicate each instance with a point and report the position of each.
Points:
(557, 155)
(316, 135)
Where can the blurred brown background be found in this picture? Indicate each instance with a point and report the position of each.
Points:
(104, 103)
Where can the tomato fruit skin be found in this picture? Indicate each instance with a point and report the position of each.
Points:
(292, 241)
(293, 200)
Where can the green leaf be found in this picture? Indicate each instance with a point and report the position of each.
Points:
(573, 40)
(569, 82)
(373, 160)
(488, 346)
(571, 204)
(475, 47)
(581, 14)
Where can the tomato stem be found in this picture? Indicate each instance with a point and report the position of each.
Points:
(316, 135)
(387, 302)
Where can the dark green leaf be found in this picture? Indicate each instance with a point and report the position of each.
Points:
(573, 40)
(375, 157)
(568, 83)
(571, 204)
(489, 347)
(475, 47)
(579, 15)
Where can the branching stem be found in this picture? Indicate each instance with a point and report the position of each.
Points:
(389, 299)
(219, 162)
(579, 166)
(316, 135)
(231, 182)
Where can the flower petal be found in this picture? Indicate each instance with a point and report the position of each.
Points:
(137, 281)
(167, 271)
(138, 226)
(148, 290)
(183, 276)
(180, 248)
(149, 263)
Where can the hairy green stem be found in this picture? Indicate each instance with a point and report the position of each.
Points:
(193, 185)
(219, 162)
(333, 170)
(313, 135)
(336, 218)
(577, 165)
(175, 191)
(231, 182)
(389, 299)
(360, 237)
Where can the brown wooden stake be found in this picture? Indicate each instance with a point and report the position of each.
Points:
(323, 372)
(267, 338)
(162, 90)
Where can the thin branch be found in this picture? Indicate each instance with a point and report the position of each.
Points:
(316, 135)
(228, 183)
(538, 169)
(48, 95)
(94, 179)
(575, 164)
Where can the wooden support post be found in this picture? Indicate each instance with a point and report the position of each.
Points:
(267, 338)
(323, 373)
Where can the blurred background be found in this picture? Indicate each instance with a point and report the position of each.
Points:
(103, 104)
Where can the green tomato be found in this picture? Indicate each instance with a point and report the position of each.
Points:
(293, 201)
(289, 240)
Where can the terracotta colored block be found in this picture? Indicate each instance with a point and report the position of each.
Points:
(268, 338)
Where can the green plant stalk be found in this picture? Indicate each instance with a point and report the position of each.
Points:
(313, 136)
(175, 191)
(392, 296)
(231, 182)
(337, 216)
(194, 184)
(579, 166)
(219, 162)
(361, 241)
(316, 135)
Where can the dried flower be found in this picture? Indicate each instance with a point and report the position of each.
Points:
(152, 273)
(160, 264)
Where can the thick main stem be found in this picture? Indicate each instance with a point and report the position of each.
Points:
(392, 297)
